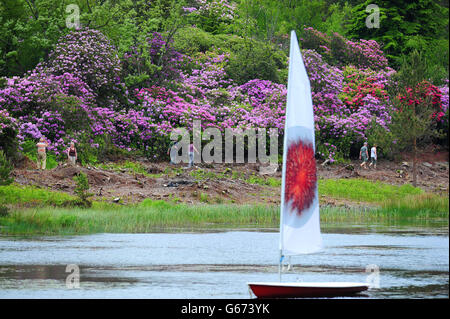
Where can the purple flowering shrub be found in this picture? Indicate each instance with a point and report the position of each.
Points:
(222, 9)
(29, 130)
(346, 100)
(326, 84)
(340, 51)
(327, 151)
(261, 104)
(78, 95)
(55, 106)
(208, 95)
(444, 97)
(444, 102)
(207, 74)
(32, 94)
(89, 56)
(444, 106)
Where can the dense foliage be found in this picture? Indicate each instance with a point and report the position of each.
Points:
(135, 70)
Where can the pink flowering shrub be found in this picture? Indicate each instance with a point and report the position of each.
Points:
(426, 92)
(78, 94)
(345, 100)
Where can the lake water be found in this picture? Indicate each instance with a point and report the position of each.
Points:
(398, 262)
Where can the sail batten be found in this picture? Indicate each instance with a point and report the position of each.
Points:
(299, 215)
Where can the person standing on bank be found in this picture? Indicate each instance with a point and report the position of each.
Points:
(72, 154)
(373, 156)
(364, 155)
(192, 149)
(42, 153)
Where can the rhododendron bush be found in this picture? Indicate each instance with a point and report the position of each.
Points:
(88, 56)
(426, 92)
(8, 133)
(79, 93)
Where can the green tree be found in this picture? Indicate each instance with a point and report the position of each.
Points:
(29, 28)
(403, 26)
(270, 20)
(255, 60)
(82, 188)
(412, 116)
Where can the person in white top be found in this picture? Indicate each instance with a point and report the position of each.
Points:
(373, 156)
(41, 153)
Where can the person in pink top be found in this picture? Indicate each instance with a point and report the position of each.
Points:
(41, 153)
(191, 155)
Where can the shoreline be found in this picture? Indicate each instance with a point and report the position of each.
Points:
(208, 197)
(160, 216)
(137, 180)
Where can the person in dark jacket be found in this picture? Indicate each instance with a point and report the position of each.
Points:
(72, 154)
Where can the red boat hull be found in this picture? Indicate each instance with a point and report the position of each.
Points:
(298, 290)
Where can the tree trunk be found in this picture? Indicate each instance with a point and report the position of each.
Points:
(415, 163)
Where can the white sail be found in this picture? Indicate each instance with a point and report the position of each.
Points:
(299, 221)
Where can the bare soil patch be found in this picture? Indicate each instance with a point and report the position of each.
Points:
(227, 183)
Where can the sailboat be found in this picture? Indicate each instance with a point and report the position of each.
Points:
(299, 210)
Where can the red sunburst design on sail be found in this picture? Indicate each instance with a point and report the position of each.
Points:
(301, 178)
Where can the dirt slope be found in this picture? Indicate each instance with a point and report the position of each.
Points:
(227, 183)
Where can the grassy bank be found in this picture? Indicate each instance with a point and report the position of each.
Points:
(151, 216)
(356, 190)
(34, 210)
(362, 190)
(31, 196)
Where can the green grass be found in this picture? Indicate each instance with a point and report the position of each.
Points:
(418, 206)
(138, 168)
(149, 216)
(155, 216)
(362, 190)
(382, 215)
(268, 181)
(32, 196)
(358, 190)
(201, 174)
(34, 210)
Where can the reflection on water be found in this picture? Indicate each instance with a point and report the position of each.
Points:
(412, 263)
